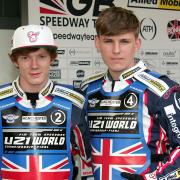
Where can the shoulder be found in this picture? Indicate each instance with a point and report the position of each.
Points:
(68, 92)
(155, 82)
(6, 91)
(91, 79)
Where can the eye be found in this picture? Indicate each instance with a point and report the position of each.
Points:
(125, 41)
(24, 58)
(42, 56)
(107, 40)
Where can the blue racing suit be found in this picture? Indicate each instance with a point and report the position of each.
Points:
(37, 141)
(134, 124)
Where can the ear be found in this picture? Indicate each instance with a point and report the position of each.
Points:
(52, 60)
(97, 41)
(138, 44)
(15, 64)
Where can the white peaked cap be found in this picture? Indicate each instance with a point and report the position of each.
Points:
(32, 36)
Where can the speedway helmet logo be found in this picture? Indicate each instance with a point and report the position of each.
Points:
(10, 118)
(93, 102)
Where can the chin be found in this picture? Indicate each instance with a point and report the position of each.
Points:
(118, 69)
(36, 82)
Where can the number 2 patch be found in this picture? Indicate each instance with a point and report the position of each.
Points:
(58, 117)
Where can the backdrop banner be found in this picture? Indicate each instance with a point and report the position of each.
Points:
(73, 22)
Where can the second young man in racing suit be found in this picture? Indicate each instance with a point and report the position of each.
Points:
(133, 113)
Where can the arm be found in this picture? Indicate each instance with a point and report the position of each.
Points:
(169, 123)
(81, 134)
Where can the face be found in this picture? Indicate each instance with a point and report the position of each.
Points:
(118, 52)
(34, 70)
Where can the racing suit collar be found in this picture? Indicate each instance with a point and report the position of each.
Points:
(110, 85)
(44, 92)
(129, 73)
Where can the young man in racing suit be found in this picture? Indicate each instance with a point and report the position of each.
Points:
(133, 113)
(41, 122)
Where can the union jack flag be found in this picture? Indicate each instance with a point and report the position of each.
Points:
(110, 158)
(33, 168)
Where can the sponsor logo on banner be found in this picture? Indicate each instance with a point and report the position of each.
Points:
(77, 83)
(170, 63)
(169, 54)
(80, 63)
(55, 63)
(61, 51)
(78, 52)
(148, 29)
(67, 7)
(149, 53)
(168, 72)
(173, 30)
(55, 74)
(80, 73)
(155, 4)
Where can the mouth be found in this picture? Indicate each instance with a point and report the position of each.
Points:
(35, 75)
(117, 59)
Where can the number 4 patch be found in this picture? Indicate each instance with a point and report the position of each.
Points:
(131, 100)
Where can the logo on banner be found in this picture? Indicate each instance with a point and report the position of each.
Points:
(173, 29)
(148, 29)
(80, 73)
(55, 63)
(62, 8)
(155, 4)
(55, 74)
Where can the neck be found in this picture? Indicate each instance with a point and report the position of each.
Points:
(114, 76)
(31, 88)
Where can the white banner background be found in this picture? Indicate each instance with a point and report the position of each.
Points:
(74, 35)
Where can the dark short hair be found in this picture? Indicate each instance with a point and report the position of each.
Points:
(117, 20)
(24, 51)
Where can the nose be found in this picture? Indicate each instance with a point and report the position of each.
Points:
(34, 63)
(116, 48)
